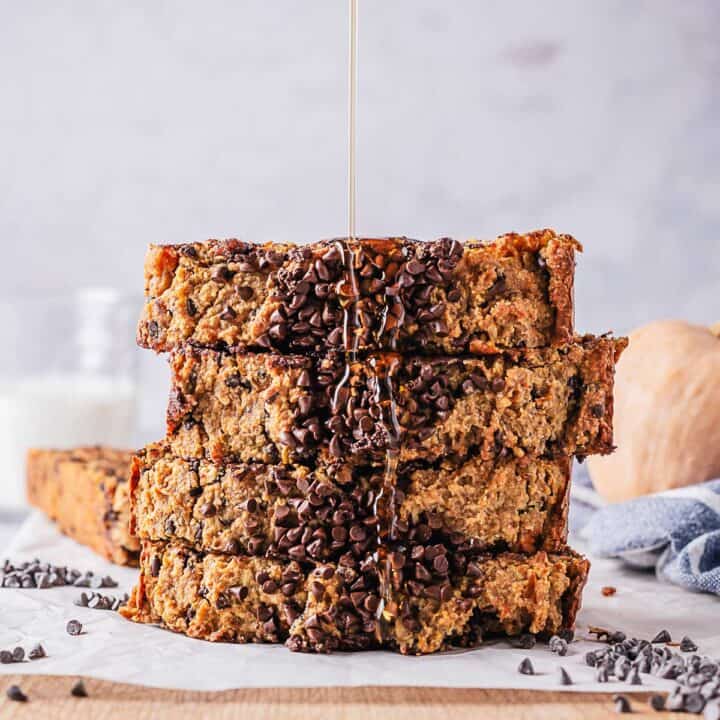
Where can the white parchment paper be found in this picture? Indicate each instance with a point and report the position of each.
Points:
(115, 649)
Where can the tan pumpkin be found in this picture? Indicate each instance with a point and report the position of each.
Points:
(667, 412)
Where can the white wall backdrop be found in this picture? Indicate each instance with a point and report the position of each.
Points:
(124, 123)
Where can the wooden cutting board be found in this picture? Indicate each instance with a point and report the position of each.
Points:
(49, 697)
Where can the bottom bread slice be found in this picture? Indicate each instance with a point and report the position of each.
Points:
(86, 492)
(338, 606)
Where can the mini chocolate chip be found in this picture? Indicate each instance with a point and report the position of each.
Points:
(155, 565)
(597, 410)
(207, 510)
(220, 274)
(662, 637)
(233, 381)
(18, 654)
(694, 703)
(558, 646)
(687, 645)
(6, 657)
(240, 592)
(78, 690)
(526, 667)
(74, 627)
(15, 694)
(335, 447)
(232, 547)
(498, 384)
(622, 704)
(564, 677)
(228, 314)
(657, 702)
(37, 652)
(441, 565)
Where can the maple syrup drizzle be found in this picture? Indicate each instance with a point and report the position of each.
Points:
(380, 371)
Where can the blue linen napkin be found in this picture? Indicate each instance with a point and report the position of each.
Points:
(675, 532)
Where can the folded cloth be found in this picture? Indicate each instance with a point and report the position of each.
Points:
(676, 532)
(584, 501)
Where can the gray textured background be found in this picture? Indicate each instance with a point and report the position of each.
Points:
(124, 123)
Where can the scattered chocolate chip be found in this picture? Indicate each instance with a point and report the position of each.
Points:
(694, 703)
(74, 627)
(37, 652)
(564, 677)
(591, 659)
(558, 646)
(526, 667)
(662, 637)
(78, 690)
(15, 694)
(657, 702)
(687, 645)
(18, 654)
(622, 704)
(6, 657)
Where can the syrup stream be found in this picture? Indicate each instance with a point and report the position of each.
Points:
(380, 372)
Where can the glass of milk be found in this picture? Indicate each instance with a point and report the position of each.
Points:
(68, 377)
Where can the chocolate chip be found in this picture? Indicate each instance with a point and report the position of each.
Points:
(37, 652)
(18, 654)
(190, 307)
(441, 565)
(232, 547)
(221, 274)
(228, 314)
(558, 646)
(634, 678)
(240, 592)
(207, 510)
(597, 410)
(564, 677)
(694, 703)
(6, 657)
(687, 645)
(662, 637)
(622, 704)
(591, 659)
(526, 667)
(657, 702)
(498, 384)
(78, 690)
(415, 267)
(155, 565)
(74, 627)
(15, 694)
